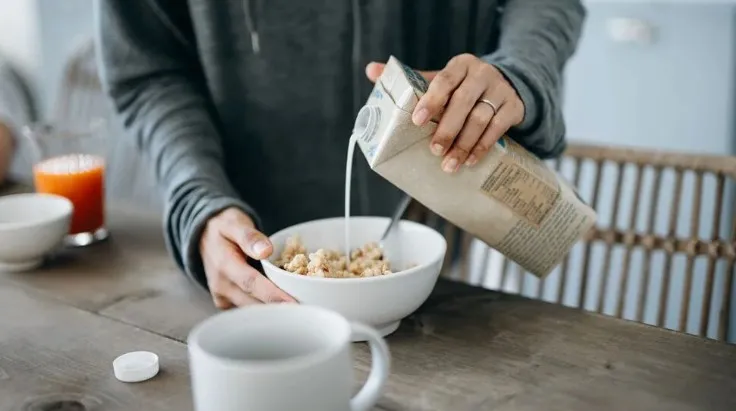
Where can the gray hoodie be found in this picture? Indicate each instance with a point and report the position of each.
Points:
(16, 111)
(251, 103)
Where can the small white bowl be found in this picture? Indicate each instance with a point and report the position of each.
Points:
(381, 302)
(31, 226)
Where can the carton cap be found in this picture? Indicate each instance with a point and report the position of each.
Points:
(136, 366)
(367, 122)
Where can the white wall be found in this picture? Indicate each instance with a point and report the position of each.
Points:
(37, 36)
(19, 37)
(65, 24)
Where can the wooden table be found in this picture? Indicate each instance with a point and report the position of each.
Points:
(466, 349)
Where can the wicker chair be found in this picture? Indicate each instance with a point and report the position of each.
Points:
(666, 238)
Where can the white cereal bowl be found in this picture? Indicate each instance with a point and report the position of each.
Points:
(31, 226)
(381, 302)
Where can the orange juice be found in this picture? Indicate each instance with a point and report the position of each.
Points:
(80, 178)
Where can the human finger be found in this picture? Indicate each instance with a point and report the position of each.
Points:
(251, 281)
(490, 103)
(374, 70)
(457, 113)
(237, 297)
(216, 258)
(222, 302)
(472, 131)
(239, 228)
(441, 89)
(499, 125)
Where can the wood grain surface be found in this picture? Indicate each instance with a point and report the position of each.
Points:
(466, 349)
(56, 354)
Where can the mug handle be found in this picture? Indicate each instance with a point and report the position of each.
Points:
(368, 396)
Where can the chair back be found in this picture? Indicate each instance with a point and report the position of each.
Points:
(662, 252)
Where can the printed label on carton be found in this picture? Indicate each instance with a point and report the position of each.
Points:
(532, 163)
(418, 82)
(527, 195)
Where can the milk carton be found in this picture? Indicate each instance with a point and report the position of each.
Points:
(510, 200)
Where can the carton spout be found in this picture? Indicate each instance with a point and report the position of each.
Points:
(367, 123)
(383, 127)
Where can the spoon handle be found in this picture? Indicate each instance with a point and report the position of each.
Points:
(400, 209)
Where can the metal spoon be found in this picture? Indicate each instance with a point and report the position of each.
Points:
(392, 249)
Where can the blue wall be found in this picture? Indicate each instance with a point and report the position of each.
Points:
(63, 26)
(674, 93)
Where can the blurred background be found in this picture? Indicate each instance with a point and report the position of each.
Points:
(650, 74)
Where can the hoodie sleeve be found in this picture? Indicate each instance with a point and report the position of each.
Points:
(150, 69)
(537, 38)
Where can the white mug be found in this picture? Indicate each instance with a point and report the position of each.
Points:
(276, 357)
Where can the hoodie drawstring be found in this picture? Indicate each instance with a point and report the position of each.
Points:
(356, 80)
(357, 98)
(251, 25)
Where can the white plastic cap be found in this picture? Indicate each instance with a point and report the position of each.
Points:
(367, 122)
(136, 366)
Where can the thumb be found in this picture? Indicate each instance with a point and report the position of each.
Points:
(374, 70)
(239, 228)
(429, 75)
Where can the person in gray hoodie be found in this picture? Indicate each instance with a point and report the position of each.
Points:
(245, 107)
(16, 111)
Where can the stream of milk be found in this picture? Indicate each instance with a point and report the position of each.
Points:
(348, 181)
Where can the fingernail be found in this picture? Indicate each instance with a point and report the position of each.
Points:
(471, 160)
(450, 165)
(260, 246)
(437, 149)
(421, 116)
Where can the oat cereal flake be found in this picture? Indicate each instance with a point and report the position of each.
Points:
(366, 261)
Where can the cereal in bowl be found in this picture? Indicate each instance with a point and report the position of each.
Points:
(366, 261)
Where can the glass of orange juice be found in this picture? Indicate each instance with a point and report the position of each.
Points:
(70, 162)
